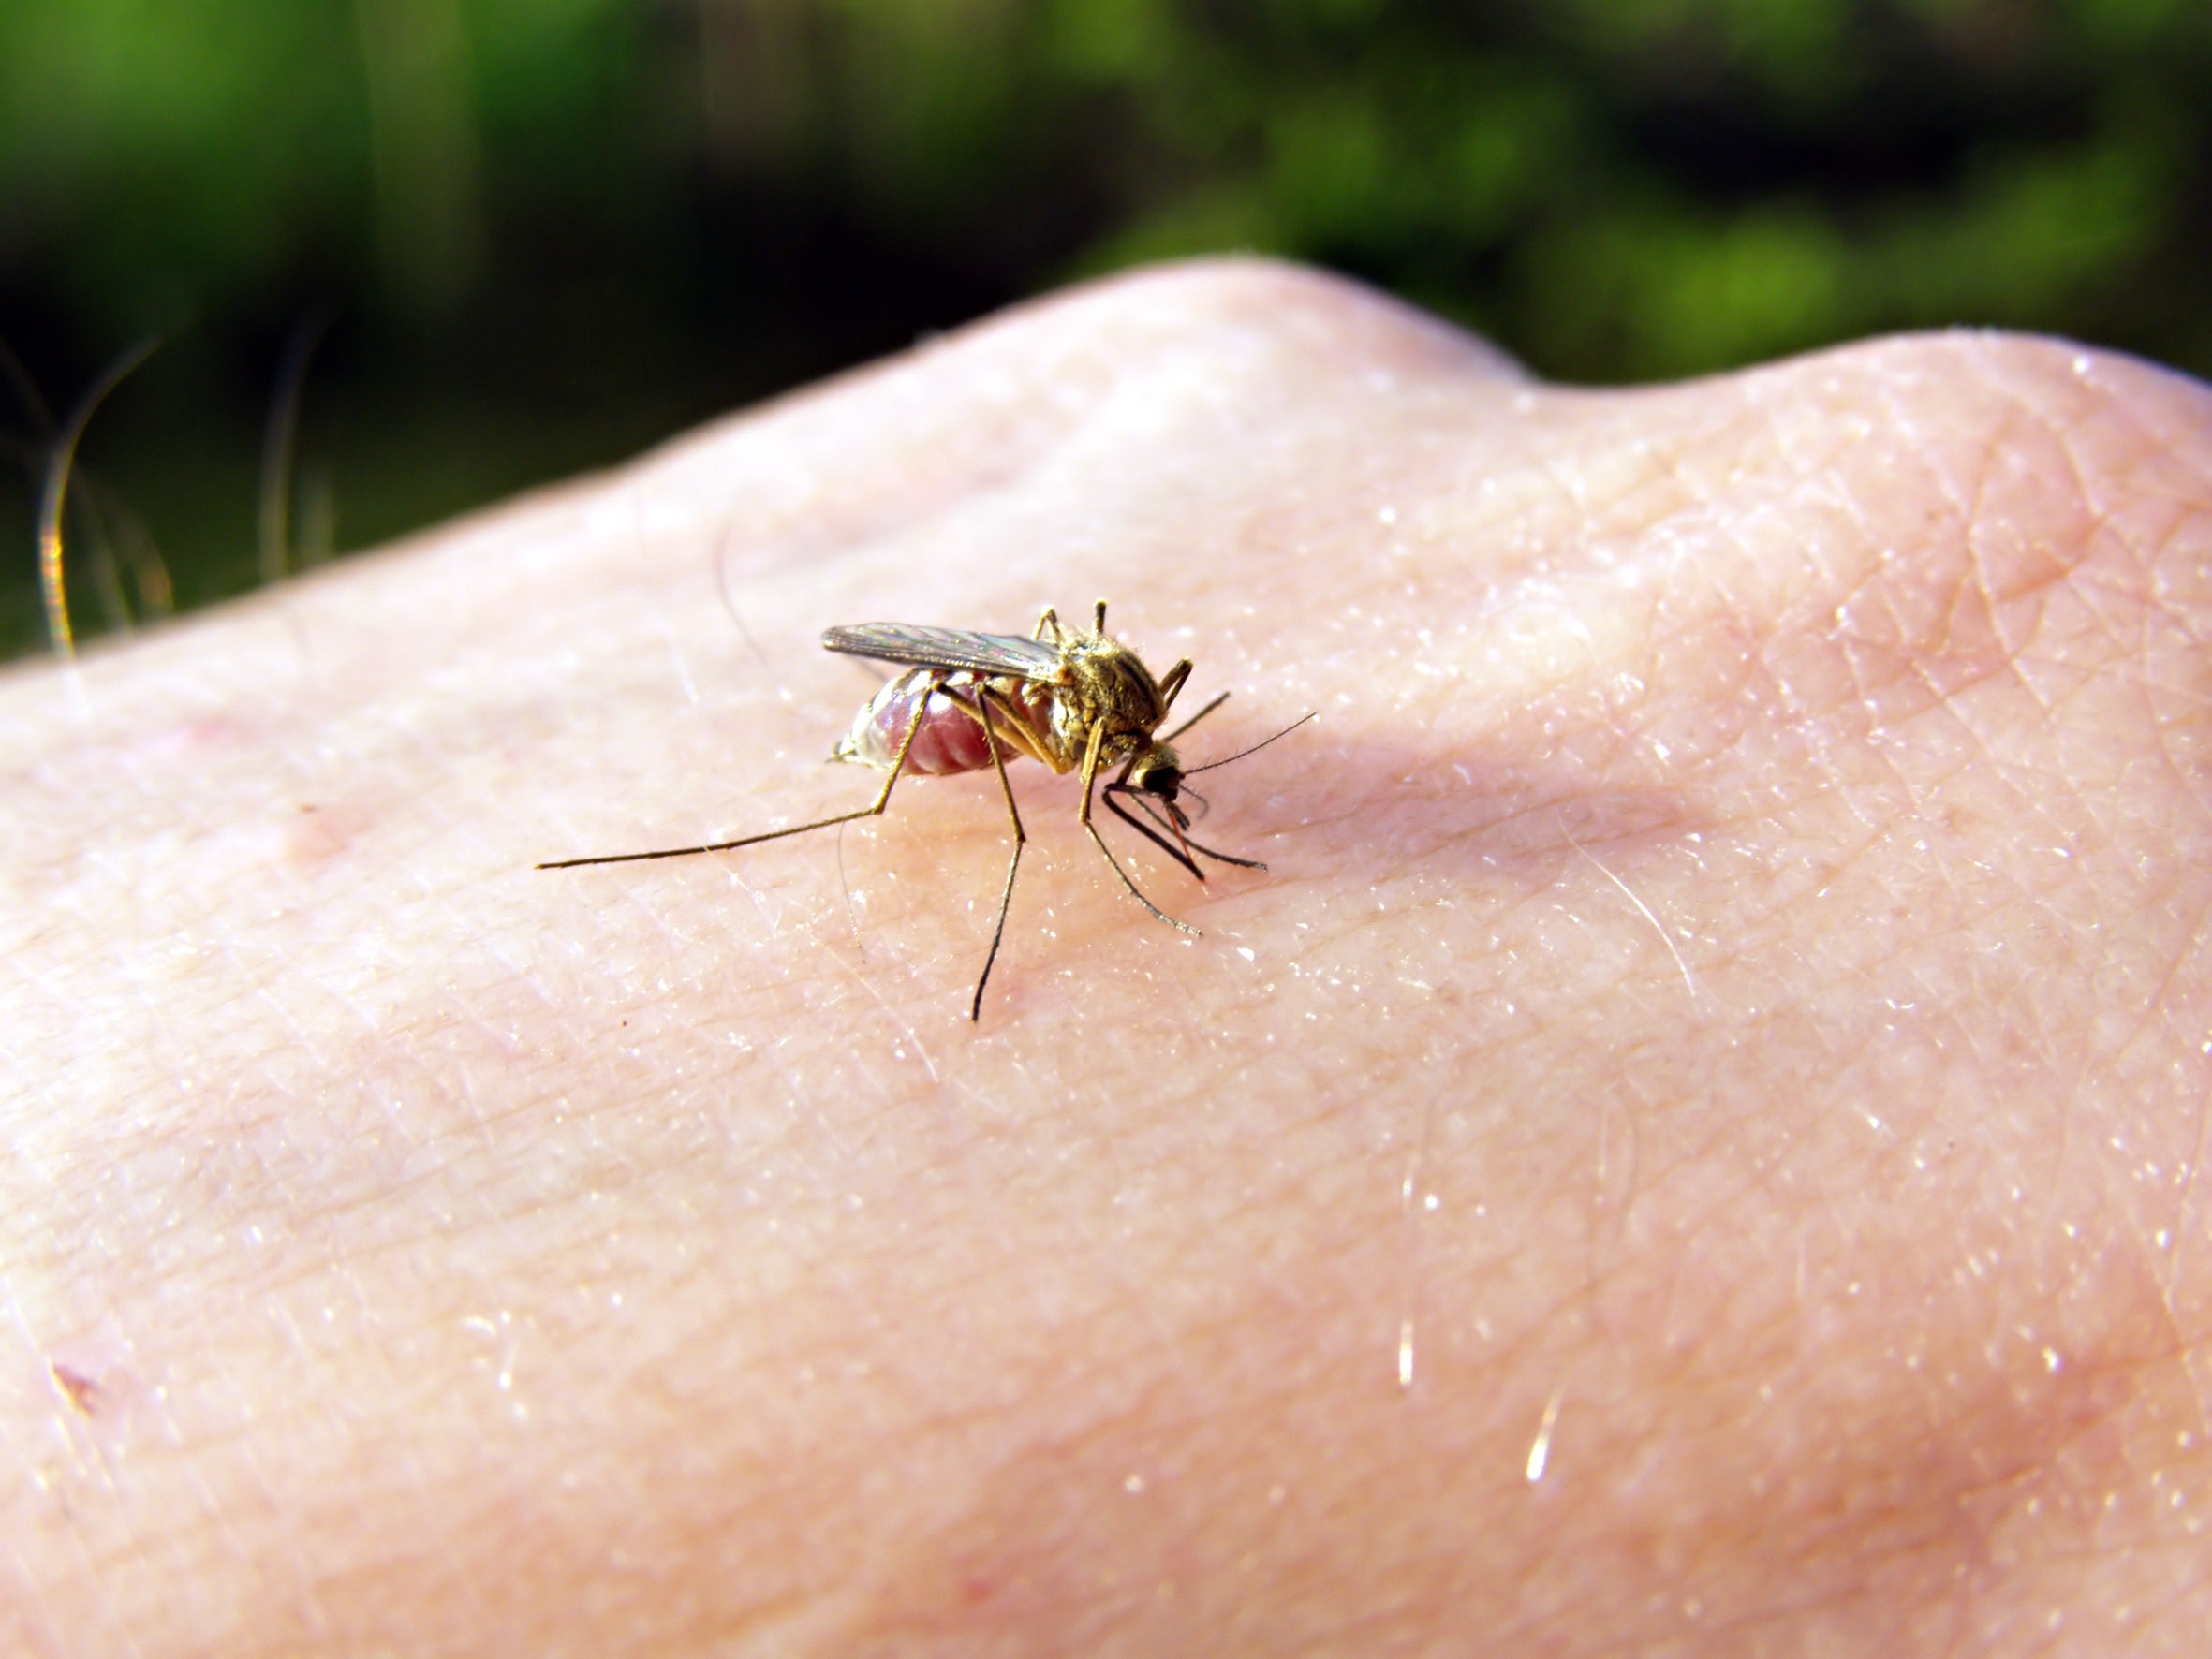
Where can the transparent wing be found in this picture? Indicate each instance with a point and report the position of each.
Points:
(946, 648)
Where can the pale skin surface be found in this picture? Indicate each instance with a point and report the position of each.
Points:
(1694, 1146)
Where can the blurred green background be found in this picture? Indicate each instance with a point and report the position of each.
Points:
(544, 233)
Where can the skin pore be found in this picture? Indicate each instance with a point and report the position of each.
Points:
(1694, 1144)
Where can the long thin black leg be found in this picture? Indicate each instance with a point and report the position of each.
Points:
(1195, 718)
(1112, 793)
(1090, 774)
(982, 710)
(872, 810)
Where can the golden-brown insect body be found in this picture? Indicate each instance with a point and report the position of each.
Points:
(1109, 689)
(1075, 700)
(1094, 682)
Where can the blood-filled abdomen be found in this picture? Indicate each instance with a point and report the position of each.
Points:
(951, 739)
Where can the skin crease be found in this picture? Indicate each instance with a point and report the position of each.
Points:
(1726, 1013)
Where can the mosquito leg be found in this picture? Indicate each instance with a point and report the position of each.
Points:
(1090, 776)
(1048, 625)
(872, 810)
(1197, 718)
(985, 699)
(1177, 849)
(1098, 841)
(1199, 846)
(1169, 684)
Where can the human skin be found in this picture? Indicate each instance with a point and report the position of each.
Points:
(1692, 1145)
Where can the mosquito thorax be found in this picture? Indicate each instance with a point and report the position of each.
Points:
(1113, 675)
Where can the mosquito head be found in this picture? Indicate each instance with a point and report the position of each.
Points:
(1156, 772)
(1156, 779)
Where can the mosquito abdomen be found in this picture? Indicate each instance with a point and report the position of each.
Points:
(951, 739)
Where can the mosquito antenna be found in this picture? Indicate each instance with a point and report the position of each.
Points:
(1256, 747)
(56, 490)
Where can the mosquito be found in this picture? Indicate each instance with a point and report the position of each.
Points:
(1071, 698)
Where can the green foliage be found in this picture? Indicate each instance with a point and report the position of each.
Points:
(552, 229)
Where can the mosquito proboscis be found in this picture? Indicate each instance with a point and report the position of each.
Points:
(1074, 698)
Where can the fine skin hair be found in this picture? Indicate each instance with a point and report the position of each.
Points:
(1693, 1146)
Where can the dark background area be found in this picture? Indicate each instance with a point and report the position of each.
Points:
(537, 235)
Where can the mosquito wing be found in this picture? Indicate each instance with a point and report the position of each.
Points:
(946, 648)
